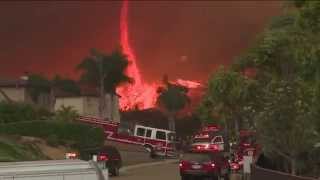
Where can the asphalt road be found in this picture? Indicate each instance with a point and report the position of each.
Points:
(156, 172)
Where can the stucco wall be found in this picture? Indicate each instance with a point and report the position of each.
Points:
(91, 106)
(15, 94)
(75, 102)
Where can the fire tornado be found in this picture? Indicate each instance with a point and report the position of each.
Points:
(137, 94)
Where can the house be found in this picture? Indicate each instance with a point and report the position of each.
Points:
(14, 90)
(87, 103)
(17, 90)
(84, 104)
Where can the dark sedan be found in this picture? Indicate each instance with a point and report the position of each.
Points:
(204, 165)
(107, 154)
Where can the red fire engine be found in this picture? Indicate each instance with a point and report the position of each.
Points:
(158, 141)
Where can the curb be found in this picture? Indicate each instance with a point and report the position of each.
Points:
(126, 168)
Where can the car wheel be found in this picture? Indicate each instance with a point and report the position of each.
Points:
(148, 148)
(185, 177)
(115, 171)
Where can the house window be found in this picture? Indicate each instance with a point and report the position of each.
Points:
(161, 135)
(140, 131)
(148, 135)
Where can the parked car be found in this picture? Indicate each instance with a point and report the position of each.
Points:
(205, 165)
(108, 155)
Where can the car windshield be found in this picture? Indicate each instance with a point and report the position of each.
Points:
(197, 157)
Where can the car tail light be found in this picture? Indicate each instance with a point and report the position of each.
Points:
(183, 165)
(214, 147)
(201, 147)
(213, 165)
(235, 166)
(71, 155)
(103, 157)
(209, 166)
(180, 165)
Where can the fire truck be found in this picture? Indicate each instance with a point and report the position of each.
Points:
(210, 138)
(156, 141)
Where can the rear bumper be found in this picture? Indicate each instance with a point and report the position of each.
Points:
(198, 173)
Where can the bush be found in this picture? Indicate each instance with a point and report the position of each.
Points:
(19, 112)
(43, 114)
(16, 112)
(66, 113)
(53, 140)
(75, 134)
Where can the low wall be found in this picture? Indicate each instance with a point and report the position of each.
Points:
(266, 174)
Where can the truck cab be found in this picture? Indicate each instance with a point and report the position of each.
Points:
(159, 141)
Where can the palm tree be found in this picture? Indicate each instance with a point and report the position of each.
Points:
(66, 113)
(105, 72)
(172, 98)
(66, 85)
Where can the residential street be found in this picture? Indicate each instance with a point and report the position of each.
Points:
(157, 172)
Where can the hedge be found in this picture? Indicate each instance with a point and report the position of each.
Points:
(19, 112)
(77, 135)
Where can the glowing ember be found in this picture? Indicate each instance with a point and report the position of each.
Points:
(188, 84)
(138, 94)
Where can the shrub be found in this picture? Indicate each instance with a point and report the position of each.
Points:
(16, 112)
(19, 112)
(66, 113)
(53, 140)
(43, 114)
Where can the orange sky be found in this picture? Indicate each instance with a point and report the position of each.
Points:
(182, 39)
